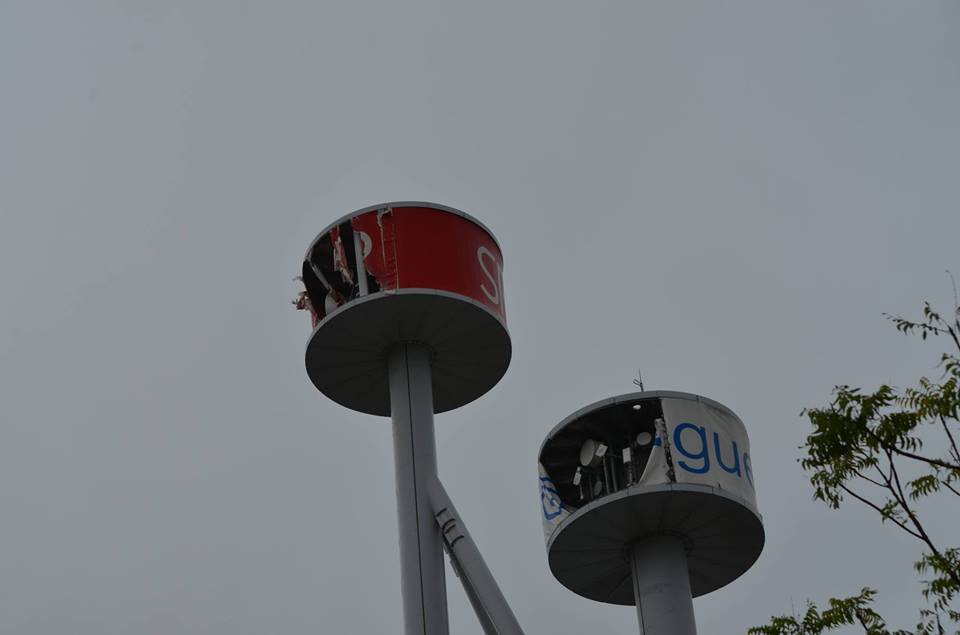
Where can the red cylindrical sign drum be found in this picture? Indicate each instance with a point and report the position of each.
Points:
(405, 272)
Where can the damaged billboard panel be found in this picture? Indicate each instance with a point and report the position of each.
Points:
(402, 246)
(638, 441)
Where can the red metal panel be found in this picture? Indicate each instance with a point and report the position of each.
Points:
(444, 251)
(378, 236)
(340, 256)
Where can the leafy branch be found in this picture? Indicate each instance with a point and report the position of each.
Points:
(860, 447)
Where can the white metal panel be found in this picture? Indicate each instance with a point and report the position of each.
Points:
(707, 446)
(552, 508)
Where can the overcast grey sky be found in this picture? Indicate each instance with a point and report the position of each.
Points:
(727, 195)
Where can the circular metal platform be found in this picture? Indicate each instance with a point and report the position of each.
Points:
(346, 355)
(722, 535)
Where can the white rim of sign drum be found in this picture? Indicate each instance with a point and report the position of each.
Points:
(394, 204)
(346, 353)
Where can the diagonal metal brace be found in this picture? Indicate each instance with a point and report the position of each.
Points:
(488, 602)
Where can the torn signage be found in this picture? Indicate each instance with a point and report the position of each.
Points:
(378, 239)
(554, 509)
(340, 263)
(638, 441)
(405, 246)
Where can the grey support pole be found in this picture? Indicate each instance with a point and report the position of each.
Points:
(421, 551)
(661, 587)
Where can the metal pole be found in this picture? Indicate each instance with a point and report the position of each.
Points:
(421, 551)
(661, 587)
(488, 602)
